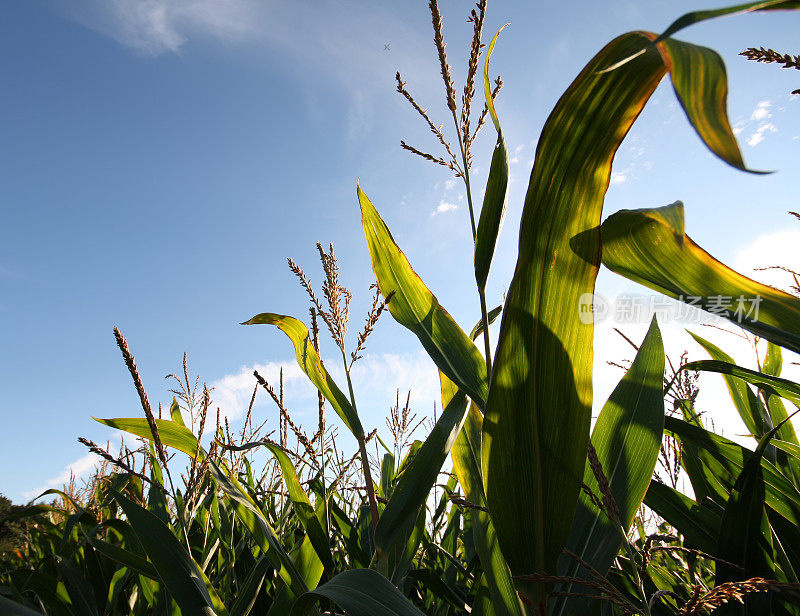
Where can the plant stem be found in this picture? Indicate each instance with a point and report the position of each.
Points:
(481, 292)
(362, 448)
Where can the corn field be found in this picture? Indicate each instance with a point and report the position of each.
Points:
(509, 502)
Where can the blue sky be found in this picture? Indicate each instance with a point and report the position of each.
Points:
(161, 158)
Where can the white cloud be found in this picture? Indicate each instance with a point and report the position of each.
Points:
(768, 250)
(618, 177)
(443, 207)
(761, 112)
(450, 184)
(154, 27)
(758, 136)
(515, 157)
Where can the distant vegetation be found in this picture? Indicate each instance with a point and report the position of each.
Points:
(540, 515)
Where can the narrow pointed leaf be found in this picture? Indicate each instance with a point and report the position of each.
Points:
(698, 525)
(416, 308)
(627, 438)
(772, 384)
(491, 317)
(252, 518)
(359, 592)
(650, 246)
(171, 433)
(180, 574)
(747, 404)
(781, 495)
(310, 363)
(302, 506)
(496, 195)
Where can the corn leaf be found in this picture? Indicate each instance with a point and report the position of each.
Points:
(310, 363)
(496, 195)
(302, 506)
(12, 608)
(536, 424)
(747, 404)
(180, 574)
(416, 308)
(359, 592)
(780, 494)
(466, 456)
(772, 384)
(171, 433)
(649, 246)
(252, 518)
(627, 438)
(698, 525)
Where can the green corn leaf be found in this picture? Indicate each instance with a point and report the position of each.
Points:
(310, 363)
(416, 482)
(252, 518)
(649, 246)
(303, 507)
(78, 587)
(125, 557)
(246, 597)
(496, 194)
(492, 317)
(11, 608)
(747, 404)
(627, 438)
(773, 360)
(416, 308)
(536, 424)
(171, 433)
(181, 575)
(698, 525)
(309, 565)
(175, 413)
(771, 384)
(780, 494)
(359, 592)
(697, 16)
(466, 456)
(747, 537)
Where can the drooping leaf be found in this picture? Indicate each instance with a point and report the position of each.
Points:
(772, 384)
(310, 363)
(496, 195)
(417, 309)
(416, 482)
(303, 507)
(780, 494)
(492, 317)
(171, 433)
(246, 597)
(650, 246)
(12, 608)
(360, 592)
(749, 407)
(627, 438)
(252, 518)
(698, 525)
(537, 418)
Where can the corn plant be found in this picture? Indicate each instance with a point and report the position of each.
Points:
(538, 514)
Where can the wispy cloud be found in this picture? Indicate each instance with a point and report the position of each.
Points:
(761, 112)
(443, 207)
(758, 136)
(619, 177)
